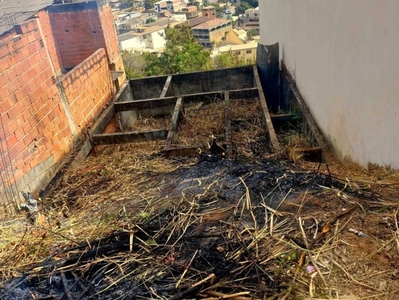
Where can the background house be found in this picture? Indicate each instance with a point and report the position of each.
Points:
(190, 12)
(208, 12)
(250, 20)
(245, 52)
(149, 37)
(141, 38)
(344, 56)
(211, 31)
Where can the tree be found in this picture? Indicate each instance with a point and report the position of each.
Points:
(229, 60)
(219, 9)
(181, 54)
(253, 3)
(240, 9)
(134, 64)
(150, 20)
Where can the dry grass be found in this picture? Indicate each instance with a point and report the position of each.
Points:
(128, 215)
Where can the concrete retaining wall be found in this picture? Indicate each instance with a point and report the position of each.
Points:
(344, 57)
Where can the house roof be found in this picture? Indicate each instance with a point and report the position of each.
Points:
(198, 20)
(160, 22)
(133, 34)
(13, 12)
(211, 23)
(227, 48)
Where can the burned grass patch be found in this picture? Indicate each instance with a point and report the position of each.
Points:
(203, 229)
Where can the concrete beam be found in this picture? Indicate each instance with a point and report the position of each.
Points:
(166, 87)
(97, 128)
(144, 104)
(212, 96)
(129, 137)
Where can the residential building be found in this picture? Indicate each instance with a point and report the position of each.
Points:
(190, 11)
(211, 32)
(251, 15)
(250, 20)
(236, 37)
(149, 37)
(141, 38)
(129, 24)
(245, 52)
(170, 6)
(209, 12)
(196, 21)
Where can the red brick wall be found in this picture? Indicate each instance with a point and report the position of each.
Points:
(45, 26)
(35, 127)
(111, 40)
(42, 112)
(77, 34)
(88, 88)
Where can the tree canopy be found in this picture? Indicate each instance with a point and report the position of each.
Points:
(242, 7)
(181, 54)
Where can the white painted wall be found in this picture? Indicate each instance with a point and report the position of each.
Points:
(344, 56)
(157, 39)
(133, 43)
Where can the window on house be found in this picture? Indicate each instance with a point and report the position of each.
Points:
(249, 51)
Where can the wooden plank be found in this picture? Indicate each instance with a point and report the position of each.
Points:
(174, 125)
(266, 115)
(166, 87)
(129, 137)
(144, 104)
